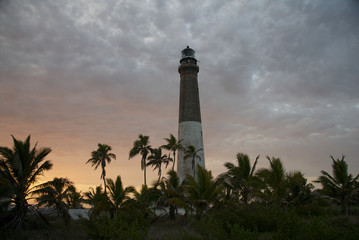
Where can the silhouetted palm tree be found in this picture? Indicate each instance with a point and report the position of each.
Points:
(192, 153)
(141, 146)
(55, 194)
(202, 193)
(239, 178)
(20, 167)
(173, 145)
(172, 194)
(75, 199)
(299, 191)
(97, 199)
(145, 198)
(156, 159)
(118, 195)
(341, 185)
(274, 182)
(100, 157)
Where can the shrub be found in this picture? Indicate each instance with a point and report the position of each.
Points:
(118, 227)
(226, 218)
(210, 228)
(238, 233)
(330, 228)
(289, 226)
(259, 218)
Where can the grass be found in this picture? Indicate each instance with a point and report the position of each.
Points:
(57, 230)
(221, 226)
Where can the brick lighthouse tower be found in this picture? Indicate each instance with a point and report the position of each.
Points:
(190, 126)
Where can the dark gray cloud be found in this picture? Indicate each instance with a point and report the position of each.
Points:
(277, 78)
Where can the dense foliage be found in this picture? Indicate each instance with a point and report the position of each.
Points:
(241, 203)
(20, 168)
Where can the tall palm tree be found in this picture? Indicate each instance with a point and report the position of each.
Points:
(203, 191)
(100, 157)
(55, 194)
(142, 147)
(341, 185)
(118, 195)
(239, 178)
(20, 168)
(173, 145)
(192, 153)
(273, 180)
(156, 159)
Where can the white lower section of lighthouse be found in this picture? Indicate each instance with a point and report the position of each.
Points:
(191, 134)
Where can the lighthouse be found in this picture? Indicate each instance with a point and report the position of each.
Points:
(189, 124)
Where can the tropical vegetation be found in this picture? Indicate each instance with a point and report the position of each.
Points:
(20, 168)
(55, 194)
(142, 147)
(241, 203)
(102, 156)
(173, 145)
(191, 153)
(341, 186)
(156, 159)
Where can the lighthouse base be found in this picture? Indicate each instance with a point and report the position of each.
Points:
(191, 134)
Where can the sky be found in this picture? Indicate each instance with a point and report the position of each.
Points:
(277, 78)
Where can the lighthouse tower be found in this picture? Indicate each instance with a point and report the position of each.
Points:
(190, 126)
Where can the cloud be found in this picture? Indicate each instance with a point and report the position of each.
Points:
(275, 78)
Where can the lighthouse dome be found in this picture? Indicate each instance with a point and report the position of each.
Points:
(188, 55)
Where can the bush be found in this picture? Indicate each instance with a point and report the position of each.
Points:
(238, 233)
(225, 218)
(259, 218)
(290, 226)
(210, 228)
(293, 226)
(118, 227)
(330, 228)
(311, 210)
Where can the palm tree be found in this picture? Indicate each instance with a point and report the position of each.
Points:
(239, 178)
(192, 153)
(299, 191)
(202, 193)
(145, 198)
(141, 146)
(273, 181)
(341, 185)
(173, 145)
(100, 157)
(172, 194)
(97, 199)
(20, 167)
(156, 159)
(55, 194)
(117, 194)
(75, 199)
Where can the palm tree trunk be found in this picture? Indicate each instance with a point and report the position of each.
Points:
(172, 213)
(194, 169)
(159, 177)
(144, 175)
(104, 183)
(104, 180)
(174, 160)
(160, 173)
(344, 207)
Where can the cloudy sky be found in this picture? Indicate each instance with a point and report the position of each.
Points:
(277, 78)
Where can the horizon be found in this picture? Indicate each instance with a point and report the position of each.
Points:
(277, 79)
